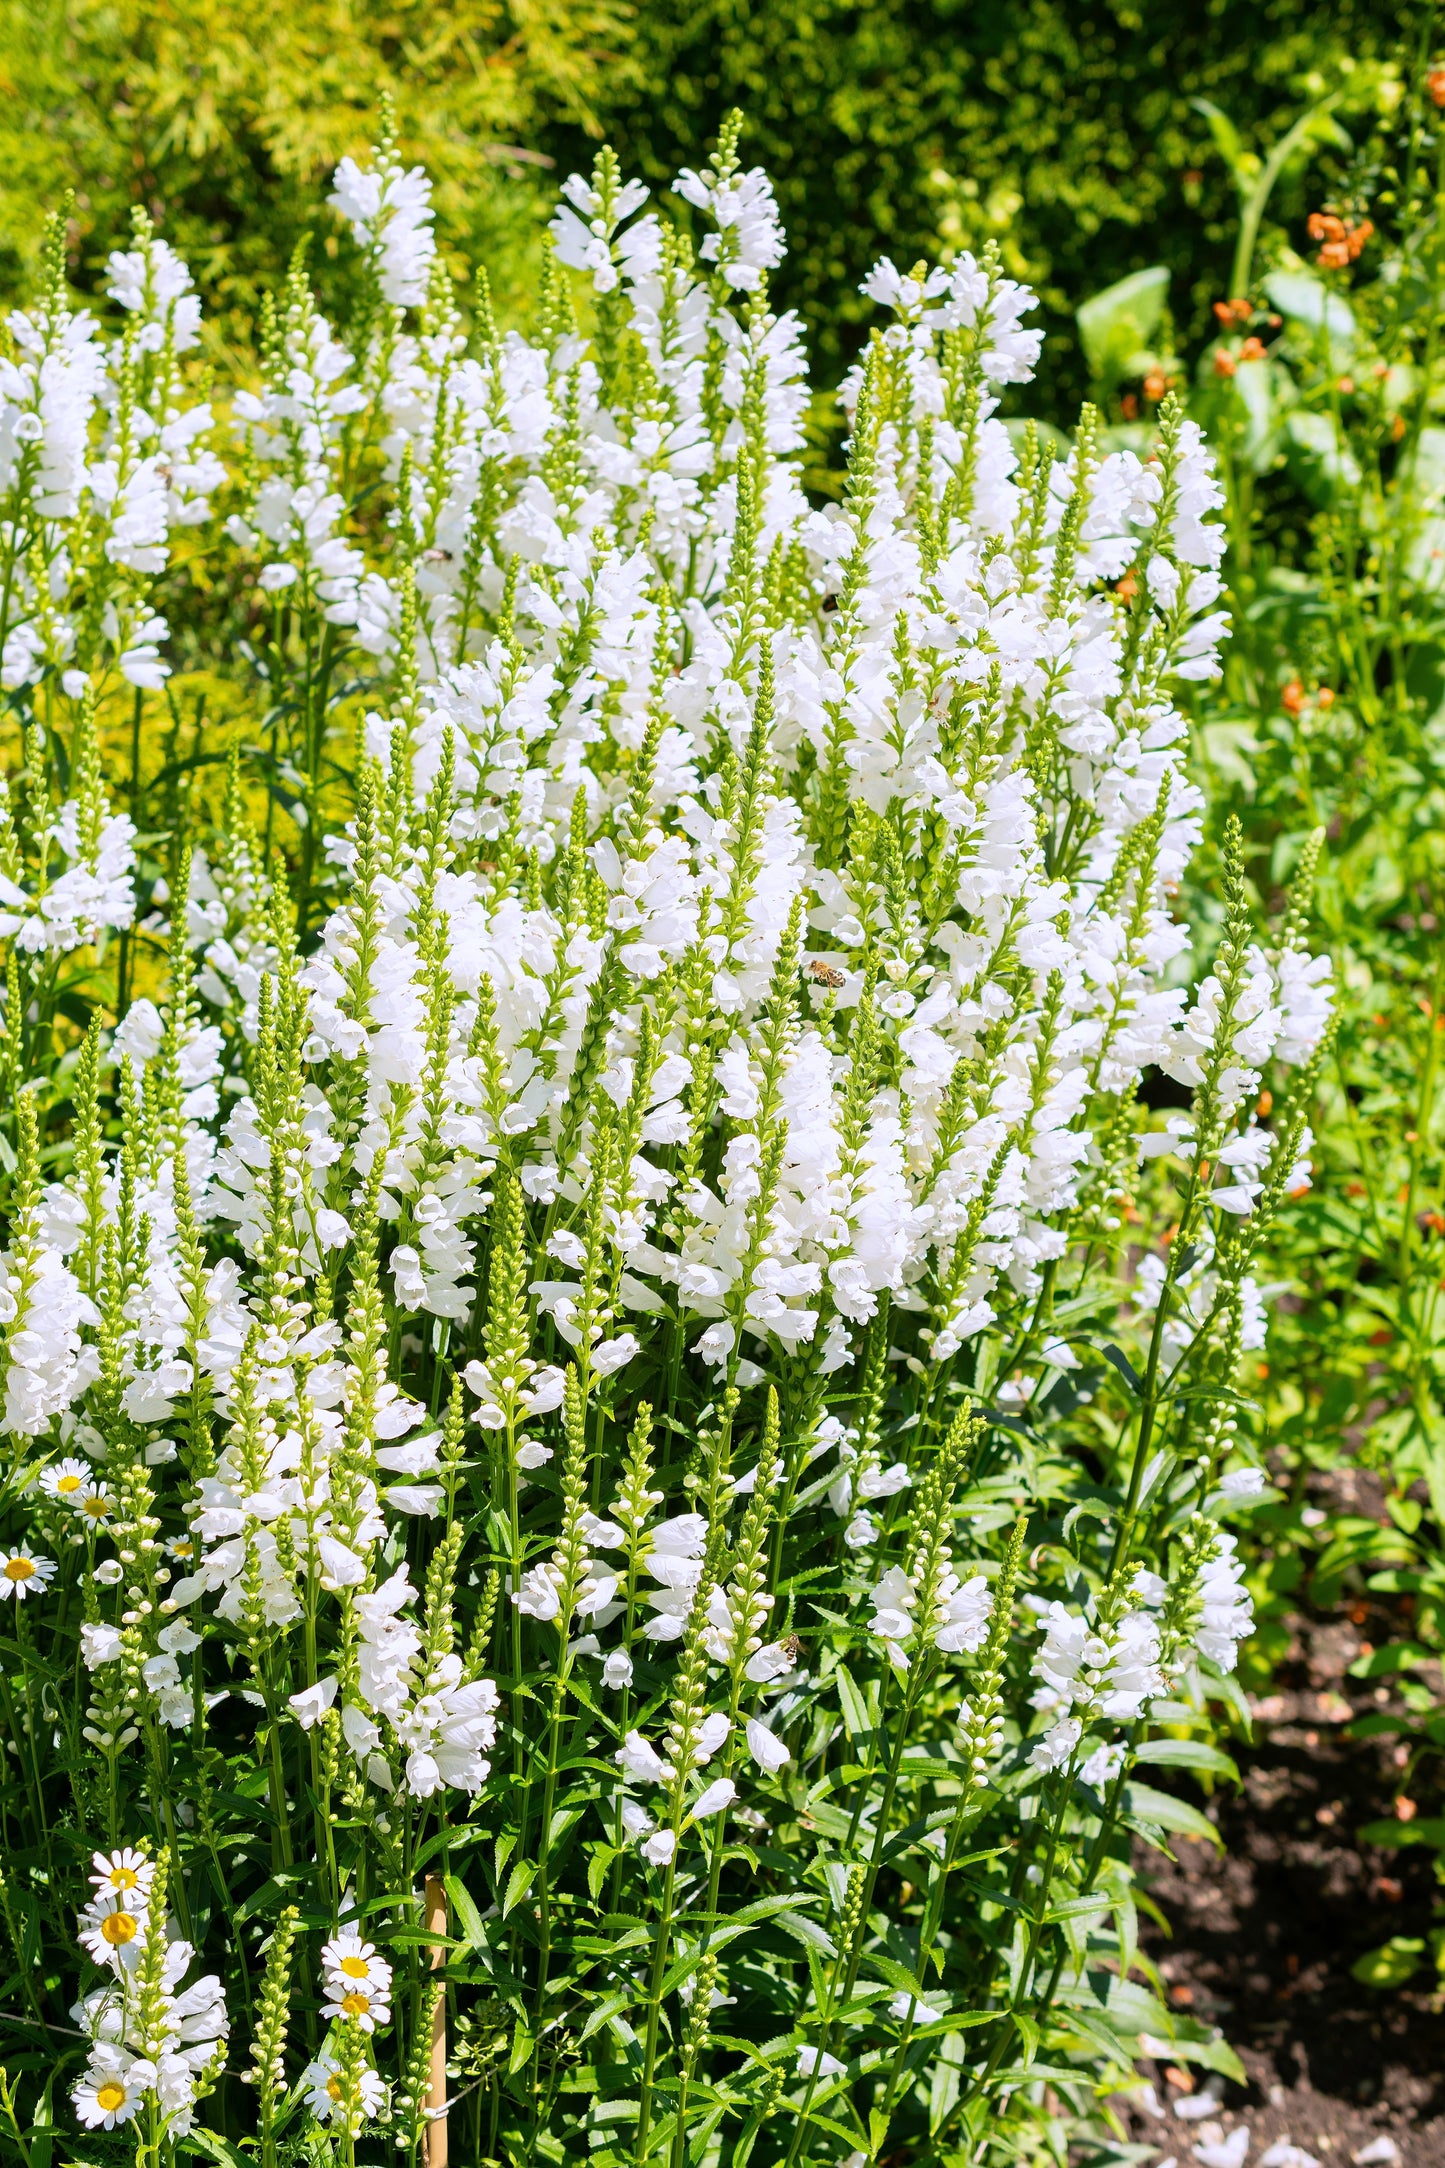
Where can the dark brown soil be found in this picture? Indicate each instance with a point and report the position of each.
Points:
(1264, 1935)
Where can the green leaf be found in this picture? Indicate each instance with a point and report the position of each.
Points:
(1187, 1754)
(1395, 1962)
(518, 1883)
(1125, 1368)
(1243, 164)
(1394, 1836)
(1160, 1810)
(464, 1912)
(1088, 1906)
(1115, 326)
(1394, 1656)
(805, 1931)
(856, 1720)
(599, 2014)
(1304, 299)
(1317, 458)
(1253, 387)
(208, 2146)
(1212, 2054)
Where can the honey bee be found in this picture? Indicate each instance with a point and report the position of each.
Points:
(827, 974)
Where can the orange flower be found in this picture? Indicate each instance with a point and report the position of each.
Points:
(1224, 364)
(1344, 239)
(1129, 406)
(1324, 698)
(1233, 312)
(1156, 383)
(1435, 84)
(1292, 699)
(1252, 350)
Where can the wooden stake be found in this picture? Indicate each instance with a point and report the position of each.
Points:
(436, 2099)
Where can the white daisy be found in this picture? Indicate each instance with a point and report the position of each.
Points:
(322, 2081)
(63, 1479)
(113, 2088)
(349, 1964)
(23, 1572)
(122, 1873)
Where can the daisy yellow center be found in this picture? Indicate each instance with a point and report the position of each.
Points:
(333, 2088)
(19, 1569)
(123, 1878)
(110, 2096)
(97, 1508)
(354, 1967)
(116, 1928)
(67, 1484)
(356, 2005)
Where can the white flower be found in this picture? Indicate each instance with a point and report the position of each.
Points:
(312, 1703)
(711, 1733)
(1053, 1750)
(390, 213)
(905, 2007)
(893, 1600)
(659, 1849)
(1242, 1483)
(114, 2088)
(24, 1572)
(122, 1873)
(66, 1480)
(766, 1748)
(99, 1644)
(812, 2059)
(1102, 1766)
(639, 1762)
(963, 1614)
(750, 236)
(1226, 1608)
(325, 2093)
(773, 1661)
(356, 1982)
(717, 1795)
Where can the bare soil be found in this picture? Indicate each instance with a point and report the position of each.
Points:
(1265, 1933)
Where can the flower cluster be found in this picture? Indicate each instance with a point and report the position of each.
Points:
(151, 2041)
(531, 1333)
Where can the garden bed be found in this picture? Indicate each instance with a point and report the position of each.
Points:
(1265, 1933)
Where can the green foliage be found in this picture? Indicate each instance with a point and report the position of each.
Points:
(1089, 142)
(223, 134)
(1067, 132)
(1331, 715)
